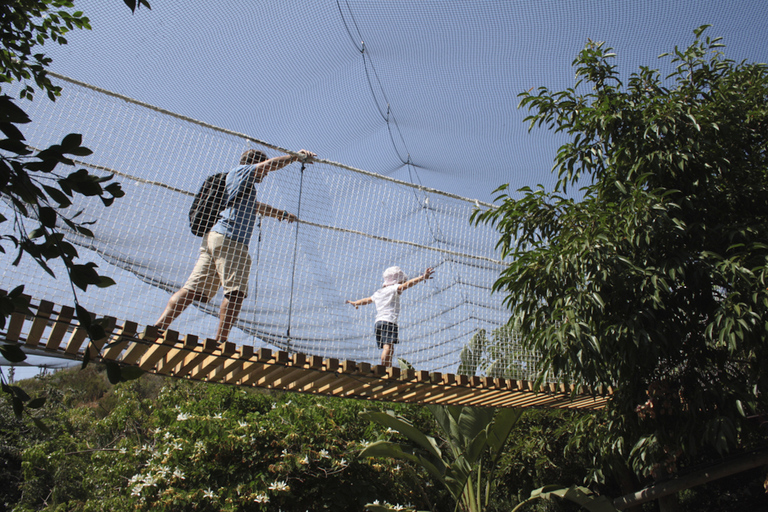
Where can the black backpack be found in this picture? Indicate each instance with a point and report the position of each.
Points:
(208, 203)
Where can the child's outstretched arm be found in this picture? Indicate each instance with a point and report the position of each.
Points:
(360, 302)
(416, 280)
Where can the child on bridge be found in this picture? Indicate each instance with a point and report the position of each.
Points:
(387, 301)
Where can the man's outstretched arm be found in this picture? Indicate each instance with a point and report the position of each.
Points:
(275, 213)
(279, 162)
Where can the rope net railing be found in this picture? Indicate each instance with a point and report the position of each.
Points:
(352, 226)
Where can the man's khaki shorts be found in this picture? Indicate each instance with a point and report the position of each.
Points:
(222, 262)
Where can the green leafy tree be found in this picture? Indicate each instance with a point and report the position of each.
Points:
(652, 279)
(500, 356)
(31, 182)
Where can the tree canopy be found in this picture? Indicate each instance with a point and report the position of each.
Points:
(651, 277)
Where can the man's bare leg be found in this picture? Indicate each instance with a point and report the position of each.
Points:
(176, 306)
(386, 355)
(230, 309)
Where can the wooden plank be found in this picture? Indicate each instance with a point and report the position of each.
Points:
(235, 364)
(457, 391)
(451, 395)
(489, 391)
(528, 399)
(301, 371)
(239, 377)
(346, 382)
(120, 340)
(264, 377)
(284, 379)
(410, 381)
(361, 383)
(314, 371)
(15, 325)
(488, 398)
(258, 362)
(157, 351)
(177, 354)
(418, 392)
(39, 323)
(140, 345)
(60, 327)
(322, 382)
(386, 378)
(350, 386)
(196, 356)
(76, 340)
(210, 364)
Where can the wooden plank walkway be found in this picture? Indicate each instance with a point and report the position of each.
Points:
(53, 331)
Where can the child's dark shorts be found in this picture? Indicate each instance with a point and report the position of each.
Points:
(386, 333)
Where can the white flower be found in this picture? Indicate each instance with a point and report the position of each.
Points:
(285, 453)
(123, 451)
(167, 434)
(149, 480)
(177, 473)
(217, 416)
(208, 493)
(390, 430)
(342, 462)
(324, 454)
(176, 445)
(182, 416)
(364, 443)
(261, 498)
(304, 460)
(199, 446)
(279, 486)
(397, 468)
(136, 491)
(242, 423)
(274, 405)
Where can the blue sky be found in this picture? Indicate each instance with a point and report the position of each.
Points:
(291, 73)
(436, 84)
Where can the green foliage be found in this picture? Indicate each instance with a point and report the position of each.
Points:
(31, 182)
(576, 494)
(652, 281)
(26, 25)
(154, 444)
(501, 356)
(474, 439)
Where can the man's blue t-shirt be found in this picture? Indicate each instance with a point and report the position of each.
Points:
(237, 220)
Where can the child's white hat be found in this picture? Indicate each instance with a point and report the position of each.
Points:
(393, 275)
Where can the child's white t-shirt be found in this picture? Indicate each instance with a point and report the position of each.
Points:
(387, 301)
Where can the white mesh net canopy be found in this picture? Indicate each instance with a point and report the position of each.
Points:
(353, 225)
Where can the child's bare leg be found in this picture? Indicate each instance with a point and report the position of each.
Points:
(386, 355)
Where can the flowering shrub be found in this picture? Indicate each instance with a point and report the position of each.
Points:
(208, 447)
